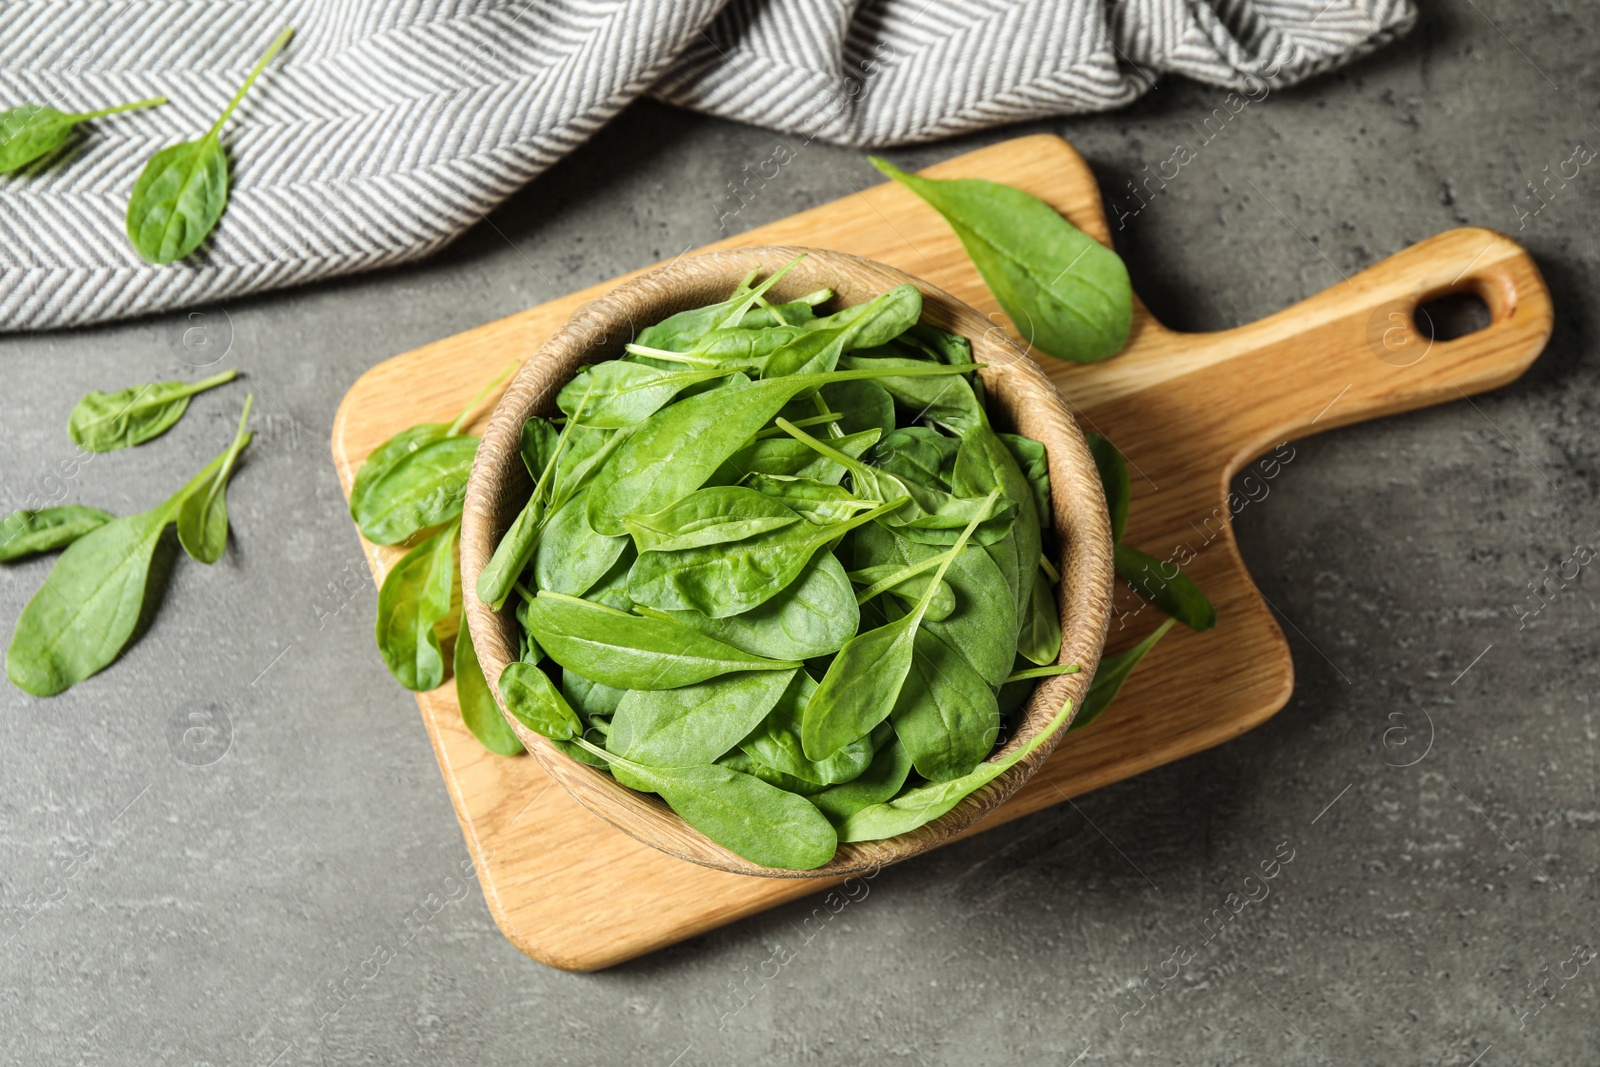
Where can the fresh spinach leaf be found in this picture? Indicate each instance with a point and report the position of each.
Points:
(1067, 294)
(785, 457)
(729, 579)
(105, 422)
(1039, 640)
(920, 454)
(180, 194)
(947, 716)
(615, 394)
(864, 679)
(543, 454)
(423, 488)
(533, 699)
(1113, 479)
(813, 616)
(571, 557)
(775, 742)
(885, 777)
(820, 345)
(908, 584)
(630, 652)
(946, 401)
(694, 724)
(415, 597)
(864, 406)
(1035, 466)
(815, 501)
(681, 331)
(709, 516)
(982, 463)
(743, 814)
(677, 449)
(1175, 593)
(983, 626)
(927, 514)
(591, 699)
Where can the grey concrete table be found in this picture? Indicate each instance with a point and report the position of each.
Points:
(306, 897)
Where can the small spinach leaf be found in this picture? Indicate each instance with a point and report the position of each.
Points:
(729, 579)
(181, 192)
(571, 557)
(414, 598)
(677, 449)
(105, 422)
(864, 679)
(709, 516)
(1039, 640)
(1113, 479)
(775, 743)
(813, 616)
(422, 488)
(1067, 293)
(1175, 593)
(947, 717)
(885, 777)
(529, 695)
(816, 501)
(693, 724)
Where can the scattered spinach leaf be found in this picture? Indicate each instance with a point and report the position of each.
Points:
(415, 597)
(105, 422)
(180, 194)
(1175, 593)
(1067, 293)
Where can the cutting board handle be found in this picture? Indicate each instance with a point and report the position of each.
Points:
(1354, 352)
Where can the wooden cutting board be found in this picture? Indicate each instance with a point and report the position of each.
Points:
(1188, 410)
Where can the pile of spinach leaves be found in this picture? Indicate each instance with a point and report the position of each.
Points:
(779, 568)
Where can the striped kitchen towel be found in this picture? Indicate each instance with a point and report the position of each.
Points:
(388, 127)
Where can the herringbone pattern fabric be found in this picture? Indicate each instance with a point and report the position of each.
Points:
(390, 126)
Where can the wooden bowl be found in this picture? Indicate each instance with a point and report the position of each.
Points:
(1020, 397)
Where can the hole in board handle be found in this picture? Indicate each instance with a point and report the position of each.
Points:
(1453, 315)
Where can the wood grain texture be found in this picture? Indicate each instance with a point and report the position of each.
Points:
(1188, 410)
(1019, 397)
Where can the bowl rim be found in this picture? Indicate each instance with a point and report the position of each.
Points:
(498, 483)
